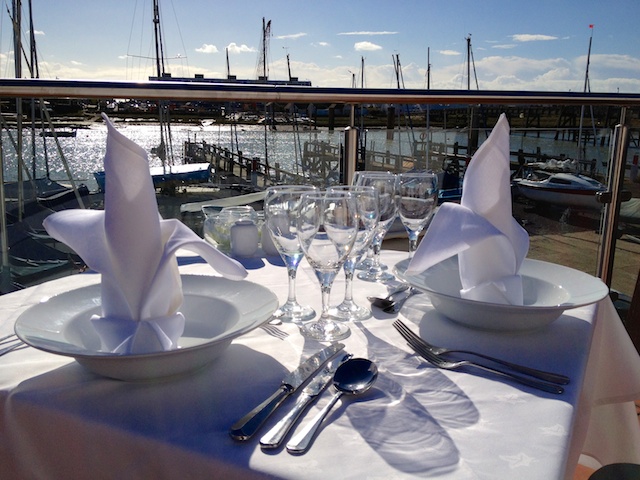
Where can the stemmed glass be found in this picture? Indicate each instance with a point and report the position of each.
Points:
(386, 185)
(327, 230)
(280, 215)
(367, 208)
(418, 197)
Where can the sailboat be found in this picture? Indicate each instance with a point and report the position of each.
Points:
(171, 174)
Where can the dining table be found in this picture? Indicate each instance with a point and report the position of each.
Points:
(59, 420)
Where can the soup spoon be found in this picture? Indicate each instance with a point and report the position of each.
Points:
(353, 377)
(387, 301)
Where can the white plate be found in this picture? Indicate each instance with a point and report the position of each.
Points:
(549, 290)
(216, 310)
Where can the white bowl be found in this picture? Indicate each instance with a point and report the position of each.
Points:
(549, 290)
(216, 311)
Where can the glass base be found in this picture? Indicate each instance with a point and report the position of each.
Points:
(349, 311)
(325, 331)
(294, 312)
(376, 276)
(367, 263)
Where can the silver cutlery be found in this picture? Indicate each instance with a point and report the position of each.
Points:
(9, 343)
(532, 372)
(273, 438)
(248, 425)
(274, 331)
(396, 306)
(449, 365)
(387, 301)
(353, 377)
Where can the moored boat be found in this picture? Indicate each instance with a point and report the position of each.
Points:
(170, 175)
(561, 189)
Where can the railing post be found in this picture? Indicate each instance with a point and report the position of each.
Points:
(612, 210)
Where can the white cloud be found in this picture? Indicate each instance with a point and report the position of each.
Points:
(368, 33)
(292, 36)
(504, 46)
(449, 52)
(366, 47)
(322, 44)
(38, 32)
(207, 48)
(73, 62)
(235, 48)
(528, 37)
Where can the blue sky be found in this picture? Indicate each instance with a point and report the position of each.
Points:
(516, 45)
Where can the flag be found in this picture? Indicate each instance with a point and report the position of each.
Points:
(591, 26)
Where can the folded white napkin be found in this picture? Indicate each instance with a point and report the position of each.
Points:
(489, 242)
(134, 250)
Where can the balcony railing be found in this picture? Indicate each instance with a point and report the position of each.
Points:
(204, 91)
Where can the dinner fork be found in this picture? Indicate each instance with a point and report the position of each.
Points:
(274, 331)
(449, 365)
(13, 341)
(532, 372)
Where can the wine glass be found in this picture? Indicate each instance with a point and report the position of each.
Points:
(327, 230)
(280, 215)
(367, 208)
(386, 185)
(417, 200)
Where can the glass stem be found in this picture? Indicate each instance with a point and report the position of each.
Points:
(349, 268)
(326, 290)
(291, 271)
(413, 243)
(377, 246)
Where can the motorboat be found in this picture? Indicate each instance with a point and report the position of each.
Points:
(561, 189)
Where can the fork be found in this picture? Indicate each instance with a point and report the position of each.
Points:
(448, 365)
(532, 372)
(274, 331)
(10, 339)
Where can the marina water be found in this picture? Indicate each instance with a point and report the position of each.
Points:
(85, 152)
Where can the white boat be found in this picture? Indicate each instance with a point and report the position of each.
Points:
(562, 189)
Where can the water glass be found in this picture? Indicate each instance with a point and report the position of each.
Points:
(418, 197)
(366, 198)
(385, 184)
(280, 215)
(327, 229)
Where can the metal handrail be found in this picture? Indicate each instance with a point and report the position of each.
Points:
(223, 92)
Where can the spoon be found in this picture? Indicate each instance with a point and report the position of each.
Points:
(388, 301)
(396, 306)
(353, 377)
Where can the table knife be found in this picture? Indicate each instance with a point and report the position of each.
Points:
(273, 438)
(248, 425)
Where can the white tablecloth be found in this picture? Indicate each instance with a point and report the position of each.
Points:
(60, 421)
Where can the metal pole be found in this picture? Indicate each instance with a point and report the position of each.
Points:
(5, 273)
(351, 148)
(611, 214)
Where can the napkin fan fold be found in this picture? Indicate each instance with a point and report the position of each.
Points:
(133, 249)
(491, 245)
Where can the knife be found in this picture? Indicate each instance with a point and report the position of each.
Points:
(248, 425)
(273, 438)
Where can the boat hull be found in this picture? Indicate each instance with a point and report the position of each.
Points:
(171, 175)
(563, 197)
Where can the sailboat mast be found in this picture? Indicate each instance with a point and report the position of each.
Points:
(586, 75)
(158, 39)
(17, 51)
(586, 88)
(469, 62)
(428, 69)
